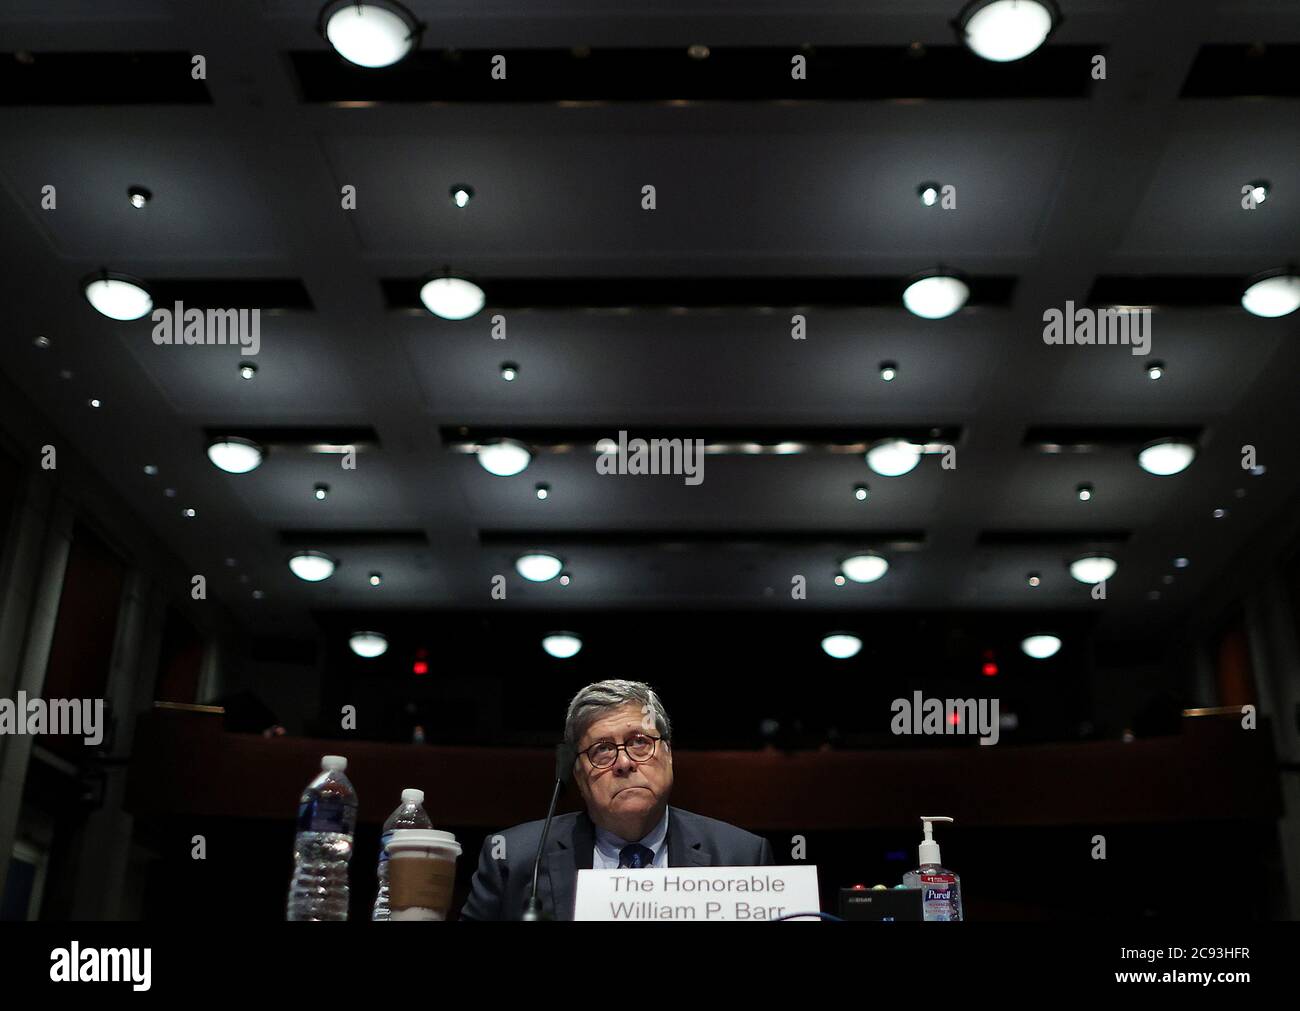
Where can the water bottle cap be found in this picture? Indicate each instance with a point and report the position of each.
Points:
(333, 763)
(412, 796)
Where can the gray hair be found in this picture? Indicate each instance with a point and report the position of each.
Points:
(601, 697)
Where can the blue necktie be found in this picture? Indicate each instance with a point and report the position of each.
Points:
(636, 855)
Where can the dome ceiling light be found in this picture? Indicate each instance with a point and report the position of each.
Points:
(1006, 30)
(312, 566)
(841, 645)
(538, 567)
(893, 457)
(375, 34)
(1272, 294)
(117, 296)
(562, 645)
(368, 644)
(504, 457)
(1093, 569)
(235, 455)
(452, 298)
(1166, 457)
(936, 295)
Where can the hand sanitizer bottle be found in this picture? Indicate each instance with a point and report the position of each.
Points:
(940, 887)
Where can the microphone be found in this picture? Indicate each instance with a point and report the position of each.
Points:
(565, 756)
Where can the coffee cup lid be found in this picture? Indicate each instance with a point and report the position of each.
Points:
(417, 838)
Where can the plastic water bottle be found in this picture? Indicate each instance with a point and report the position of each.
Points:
(409, 814)
(327, 820)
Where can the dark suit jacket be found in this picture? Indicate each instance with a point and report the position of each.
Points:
(500, 888)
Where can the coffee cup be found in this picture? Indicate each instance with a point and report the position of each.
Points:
(421, 873)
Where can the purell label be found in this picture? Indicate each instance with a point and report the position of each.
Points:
(937, 896)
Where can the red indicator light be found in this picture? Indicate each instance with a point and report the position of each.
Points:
(954, 719)
(420, 667)
(990, 670)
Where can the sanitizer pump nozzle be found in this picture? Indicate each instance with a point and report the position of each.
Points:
(929, 849)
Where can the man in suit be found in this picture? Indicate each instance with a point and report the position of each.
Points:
(623, 769)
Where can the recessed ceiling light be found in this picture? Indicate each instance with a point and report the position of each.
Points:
(312, 566)
(562, 645)
(1220, 514)
(1258, 470)
(320, 491)
(95, 402)
(150, 469)
(452, 297)
(117, 296)
(1006, 30)
(935, 296)
(368, 644)
(860, 492)
(139, 196)
(504, 457)
(543, 490)
(893, 457)
(189, 514)
(565, 579)
(509, 371)
(1181, 563)
(1093, 568)
(376, 578)
(1166, 457)
(461, 194)
(1034, 579)
(1273, 294)
(1040, 647)
(235, 455)
(698, 52)
(929, 193)
(841, 645)
(1155, 370)
(42, 341)
(258, 594)
(1259, 190)
(1084, 491)
(169, 492)
(538, 567)
(888, 371)
(374, 34)
(840, 580)
(247, 370)
(864, 568)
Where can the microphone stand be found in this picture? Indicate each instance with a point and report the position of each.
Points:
(565, 756)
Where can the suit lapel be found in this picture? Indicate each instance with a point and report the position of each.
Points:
(567, 854)
(684, 849)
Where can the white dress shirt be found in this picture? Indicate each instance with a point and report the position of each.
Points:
(608, 846)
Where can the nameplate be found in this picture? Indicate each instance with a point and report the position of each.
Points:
(735, 894)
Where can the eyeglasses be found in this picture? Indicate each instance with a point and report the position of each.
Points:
(639, 747)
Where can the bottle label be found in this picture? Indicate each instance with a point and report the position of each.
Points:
(327, 814)
(938, 894)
